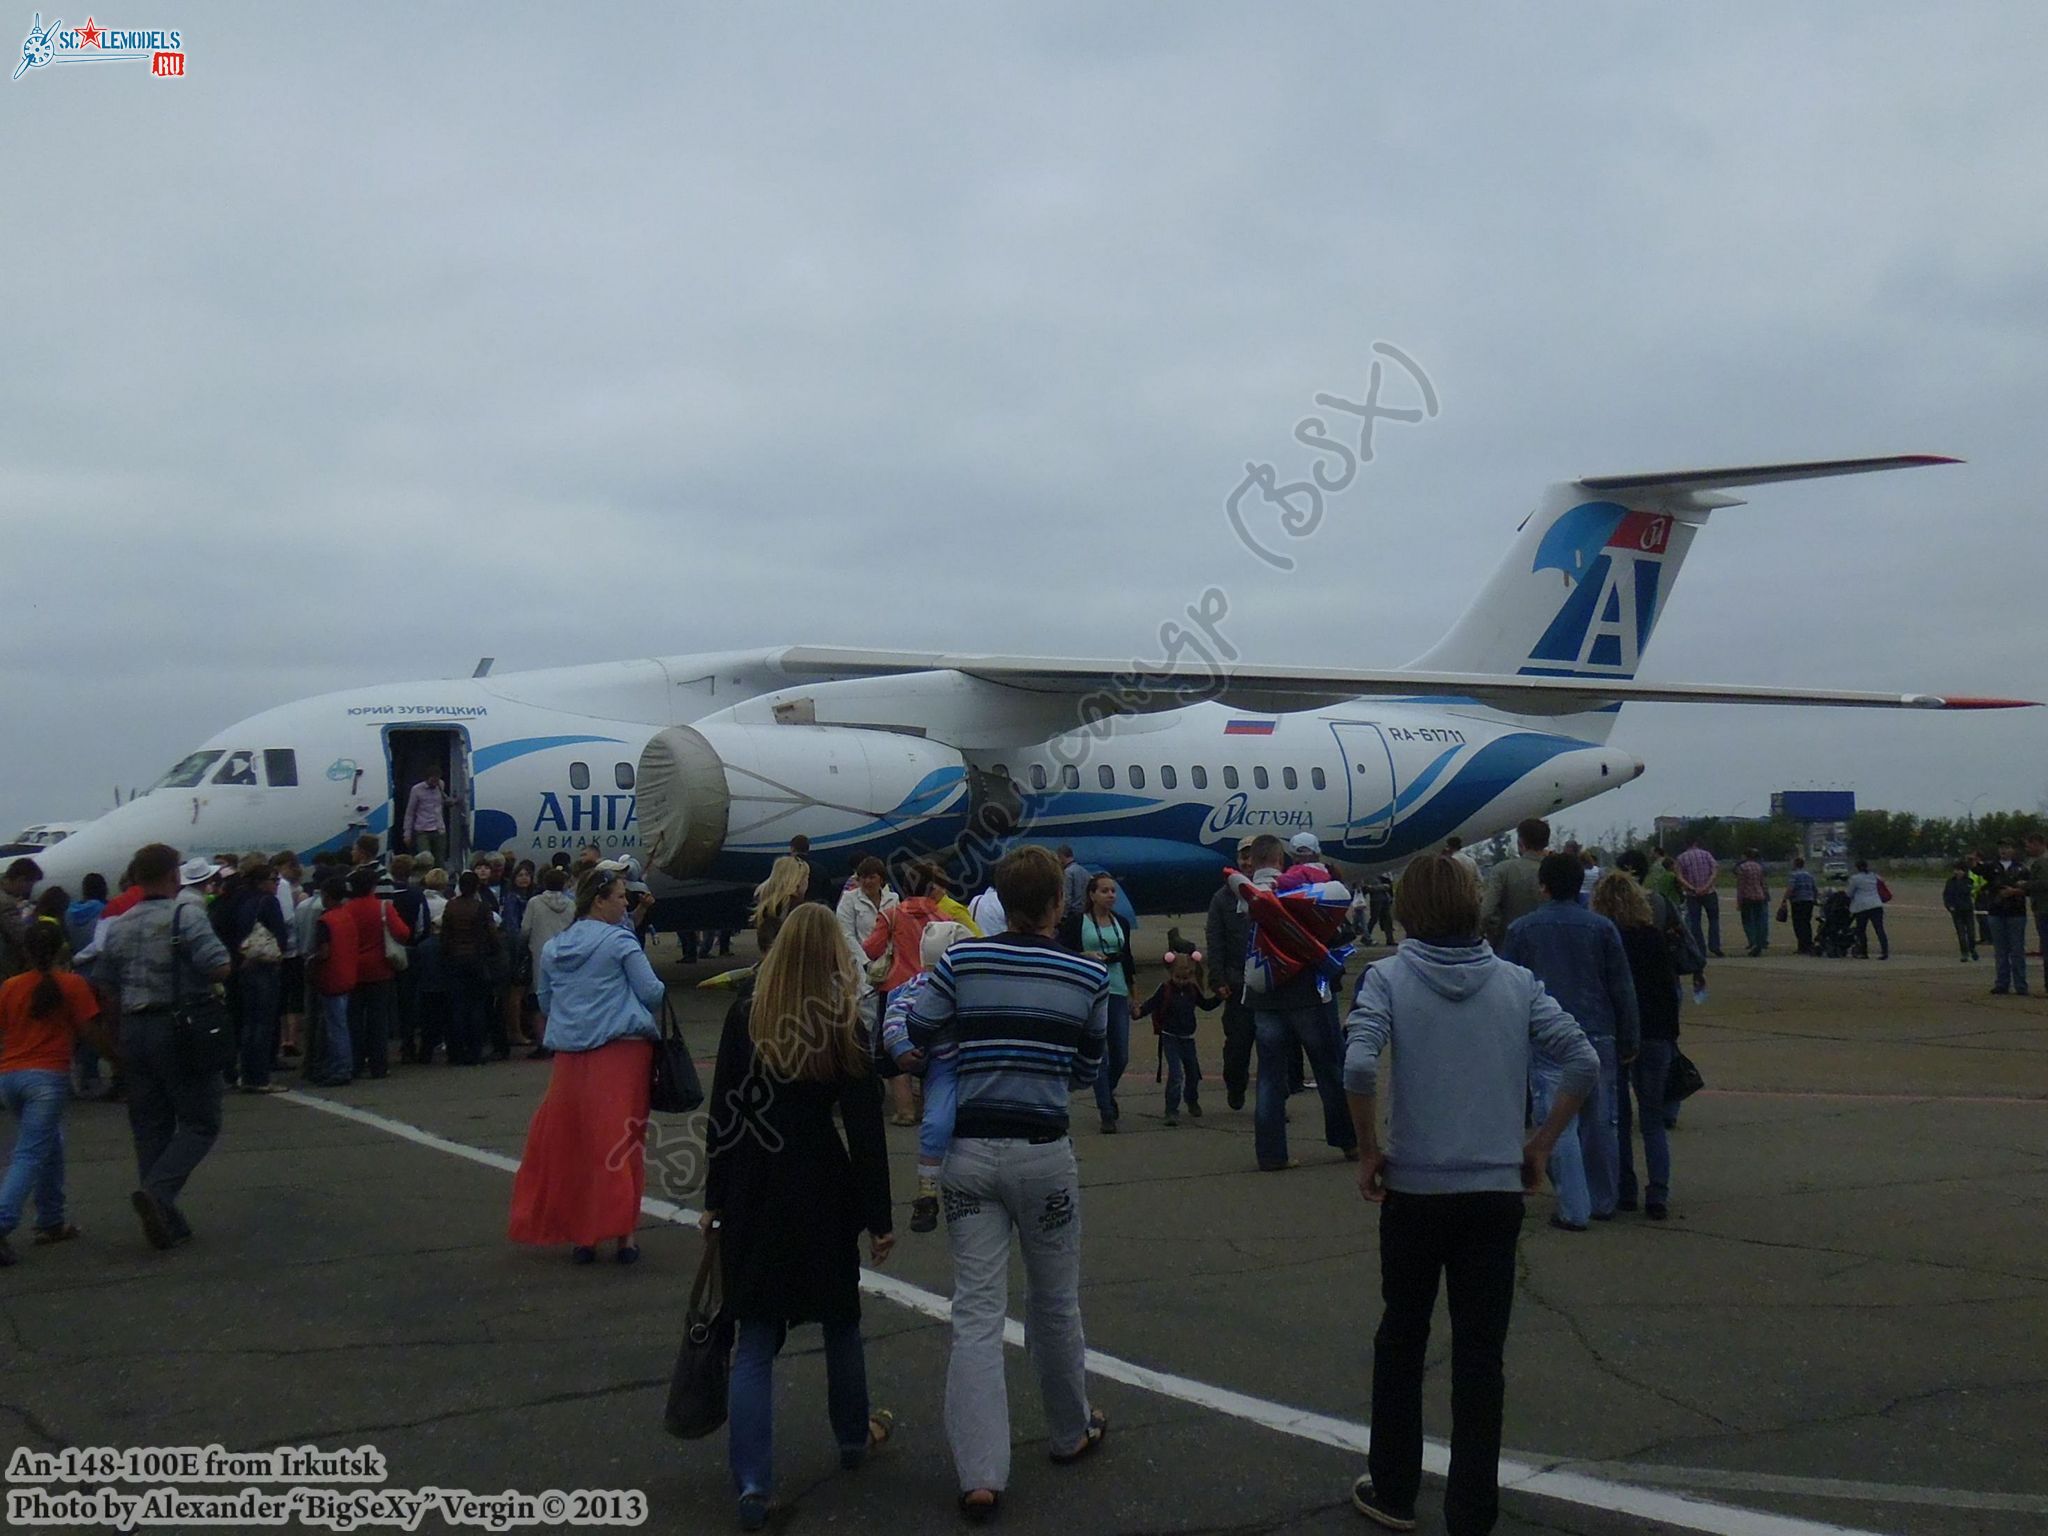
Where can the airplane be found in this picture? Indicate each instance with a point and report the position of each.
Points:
(705, 766)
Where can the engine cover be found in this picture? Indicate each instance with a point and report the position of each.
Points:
(725, 799)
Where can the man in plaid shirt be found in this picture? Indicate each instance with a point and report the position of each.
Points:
(1697, 871)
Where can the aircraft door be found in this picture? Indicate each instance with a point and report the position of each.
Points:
(1369, 783)
(413, 750)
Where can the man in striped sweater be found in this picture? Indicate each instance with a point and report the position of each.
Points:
(1029, 1020)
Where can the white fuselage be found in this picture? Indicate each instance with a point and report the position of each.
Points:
(544, 761)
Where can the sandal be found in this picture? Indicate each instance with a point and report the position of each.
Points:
(1098, 1430)
(978, 1513)
(62, 1233)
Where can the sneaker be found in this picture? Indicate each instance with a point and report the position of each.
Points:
(1194, 1110)
(1699, 995)
(1368, 1503)
(1717, 954)
(1171, 1120)
(754, 1512)
(1292, 1162)
(1567, 1226)
(1655, 1211)
(1108, 1126)
(924, 1213)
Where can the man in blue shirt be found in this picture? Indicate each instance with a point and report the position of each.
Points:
(1800, 895)
(1577, 955)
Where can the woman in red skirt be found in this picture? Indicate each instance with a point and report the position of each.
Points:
(585, 1165)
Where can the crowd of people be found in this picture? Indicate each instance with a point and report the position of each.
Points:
(1532, 1016)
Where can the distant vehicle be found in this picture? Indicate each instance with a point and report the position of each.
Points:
(37, 835)
(1834, 868)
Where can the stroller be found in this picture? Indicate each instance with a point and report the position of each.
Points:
(1835, 935)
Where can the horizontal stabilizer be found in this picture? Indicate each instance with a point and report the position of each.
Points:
(1757, 474)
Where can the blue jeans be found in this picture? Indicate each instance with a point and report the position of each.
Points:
(1566, 1169)
(1277, 1031)
(256, 1002)
(37, 1099)
(1183, 1070)
(1652, 1070)
(1116, 1055)
(2009, 949)
(750, 1399)
(1711, 905)
(1599, 1143)
(341, 1057)
(941, 1100)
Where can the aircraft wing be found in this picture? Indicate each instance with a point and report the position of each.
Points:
(1102, 688)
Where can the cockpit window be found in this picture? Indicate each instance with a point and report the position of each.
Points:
(240, 768)
(189, 771)
(280, 768)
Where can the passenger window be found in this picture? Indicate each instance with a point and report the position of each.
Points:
(281, 768)
(1070, 776)
(1168, 778)
(1106, 776)
(579, 775)
(1038, 775)
(240, 768)
(1290, 778)
(188, 772)
(1200, 776)
(1230, 778)
(622, 775)
(1137, 777)
(1317, 778)
(1260, 779)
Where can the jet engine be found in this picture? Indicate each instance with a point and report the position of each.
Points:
(723, 800)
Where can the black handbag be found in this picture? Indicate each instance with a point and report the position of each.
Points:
(201, 1028)
(1683, 1080)
(676, 1089)
(696, 1393)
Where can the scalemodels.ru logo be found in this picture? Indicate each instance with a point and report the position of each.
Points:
(163, 51)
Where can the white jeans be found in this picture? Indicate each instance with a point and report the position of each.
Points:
(992, 1187)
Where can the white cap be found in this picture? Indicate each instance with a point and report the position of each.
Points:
(1304, 843)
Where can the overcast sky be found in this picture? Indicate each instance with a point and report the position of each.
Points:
(382, 343)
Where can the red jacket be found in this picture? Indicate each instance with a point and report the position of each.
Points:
(335, 975)
(902, 925)
(373, 917)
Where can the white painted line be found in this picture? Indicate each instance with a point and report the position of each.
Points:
(1546, 1478)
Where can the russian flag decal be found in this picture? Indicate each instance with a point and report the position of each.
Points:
(1249, 727)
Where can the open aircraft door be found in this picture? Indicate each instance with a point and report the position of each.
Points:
(411, 750)
(1368, 781)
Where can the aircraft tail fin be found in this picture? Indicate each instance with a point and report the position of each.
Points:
(1580, 591)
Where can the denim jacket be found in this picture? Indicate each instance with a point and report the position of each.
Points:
(1577, 955)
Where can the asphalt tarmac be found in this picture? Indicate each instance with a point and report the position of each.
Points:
(1844, 1323)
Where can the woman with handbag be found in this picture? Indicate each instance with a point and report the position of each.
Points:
(788, 1199)
(601, 999)
(256, 938)
(1640, 1093)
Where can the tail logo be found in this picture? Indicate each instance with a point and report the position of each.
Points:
(1613, 564)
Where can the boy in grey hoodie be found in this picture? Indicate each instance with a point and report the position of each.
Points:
(1464, 1025)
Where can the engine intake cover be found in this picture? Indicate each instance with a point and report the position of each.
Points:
(684, 805)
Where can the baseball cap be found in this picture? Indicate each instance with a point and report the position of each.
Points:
(627, 866)
(1304, 842)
